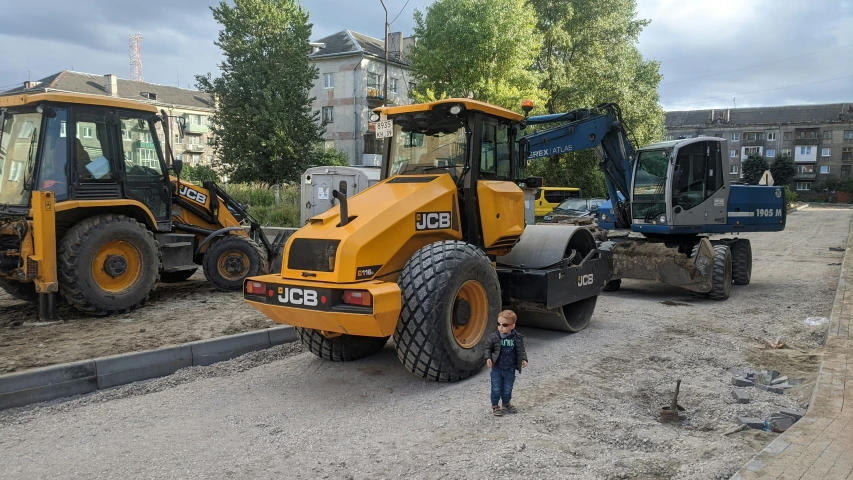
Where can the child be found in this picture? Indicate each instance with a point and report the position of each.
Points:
(504, 355)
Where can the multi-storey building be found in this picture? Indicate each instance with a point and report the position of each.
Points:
(352, 83)
(818, 137)
(189, 110)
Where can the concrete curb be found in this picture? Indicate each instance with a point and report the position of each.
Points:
(75, 378)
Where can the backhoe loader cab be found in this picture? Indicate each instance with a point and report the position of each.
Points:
(88, 208)
(434, 251)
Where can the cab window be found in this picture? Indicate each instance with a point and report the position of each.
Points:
(94, 154)
(495, 150)
(53, 173)
(138, 146)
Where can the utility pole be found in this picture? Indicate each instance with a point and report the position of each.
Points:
(385, 86)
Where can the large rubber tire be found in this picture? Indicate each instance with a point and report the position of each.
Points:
(340, 348)
(179, 276)
(722, 281)
(613, 285)
(19, 290)
(741, 262)
(451, 296)
(232, 259)
(98, 244)
(578, 314)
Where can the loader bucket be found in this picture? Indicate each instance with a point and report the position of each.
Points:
(648, 260)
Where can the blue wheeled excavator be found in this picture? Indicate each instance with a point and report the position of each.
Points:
(676, 194)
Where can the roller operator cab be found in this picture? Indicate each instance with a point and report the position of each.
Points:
(434, 251)
(89, 211)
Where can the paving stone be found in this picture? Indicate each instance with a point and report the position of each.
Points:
(769, 388)
(763, 378)
(740, 395)
(774, 373)
(752, 422)
(781, 379)
(795, 414)
(742, 382)
(780, 423)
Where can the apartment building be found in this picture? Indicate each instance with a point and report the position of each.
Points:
(818, 137)
(352, 82)
(189, 110)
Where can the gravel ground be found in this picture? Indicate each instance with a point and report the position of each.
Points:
(176, 313)
(588, 403)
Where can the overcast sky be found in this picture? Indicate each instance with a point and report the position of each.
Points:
(713, 54)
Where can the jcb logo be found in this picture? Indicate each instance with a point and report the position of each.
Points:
(584, 280)
(193, 195)
(432, 220)
(298, 296)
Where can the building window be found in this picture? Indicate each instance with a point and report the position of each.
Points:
(805, 150)
(126, 135)
(824, 169)
(848, 134)
(771, 152)
(87, 132)
(825, 152)
(827, 135)
(845, 171)
(771, 136)
(373, 81)
(329, 114)
(194, 140)
(667, 138)
(806, 169)
(392, 85)
(804, 186)
(751, 151)
(735, 137)
(733, 169)
(328, 80)
(412, 86)
(846, 154)
(733, 153)
(786, 152)
(752, 136)
(786, 136)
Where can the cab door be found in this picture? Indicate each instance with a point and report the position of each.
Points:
(145, 181)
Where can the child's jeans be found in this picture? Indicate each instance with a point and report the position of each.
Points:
(502, 381)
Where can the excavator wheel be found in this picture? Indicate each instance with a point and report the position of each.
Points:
(451, 296)
(741, 262)
(20, 290)
(179, 276)
(107, 264)
(340, 347)
(722, 279)
(232, 259)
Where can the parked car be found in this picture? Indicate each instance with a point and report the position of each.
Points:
(548, 198)
(575, 207)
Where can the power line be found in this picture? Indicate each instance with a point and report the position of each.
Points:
(401, 12)
(757, 65)
(765, 90)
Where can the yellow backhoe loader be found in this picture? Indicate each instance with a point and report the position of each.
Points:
(89, 210)
(432, 252)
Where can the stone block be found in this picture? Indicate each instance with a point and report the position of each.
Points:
(742, 382)
(779, 423)
(740, 395)
(769, 388)
(795, 414)
(777, 380)
(752, 422)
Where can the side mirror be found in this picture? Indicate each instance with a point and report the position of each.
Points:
(593, 208)
(178, 166)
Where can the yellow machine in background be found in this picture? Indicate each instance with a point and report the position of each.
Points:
(89, 210)
(433, 252)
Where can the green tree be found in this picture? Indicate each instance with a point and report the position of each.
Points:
(480, 49)
(263, 127)
(199, 174)
(753, 168)
(783, 170)
(589, 57)
(334, 156)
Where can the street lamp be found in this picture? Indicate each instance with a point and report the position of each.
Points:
(385, 86)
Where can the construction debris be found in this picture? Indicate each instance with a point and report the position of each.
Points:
(740, 395)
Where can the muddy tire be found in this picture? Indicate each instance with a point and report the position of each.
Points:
(722, 281)
(741, 262)
(179, 276)
(107, 264)
(232, 259)
(613, 285)
(340, 348)
(21, 291)
(451, 297)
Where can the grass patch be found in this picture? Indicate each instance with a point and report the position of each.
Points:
(259, 198)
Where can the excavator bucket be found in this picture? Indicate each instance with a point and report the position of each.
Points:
(649, 260)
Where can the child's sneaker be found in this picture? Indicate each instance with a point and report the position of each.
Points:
(510, 408)
(496, 411)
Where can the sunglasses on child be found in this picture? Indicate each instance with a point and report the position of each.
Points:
(505, 324)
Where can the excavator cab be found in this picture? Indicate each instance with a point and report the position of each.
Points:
(434, 251)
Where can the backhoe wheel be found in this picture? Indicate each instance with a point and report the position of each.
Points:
(613, 285)
(21, 291)
(722, 273)
(340, 348)
(741, 262)
(232, 259)
(179, 276)
(108, 264)
(451, 297)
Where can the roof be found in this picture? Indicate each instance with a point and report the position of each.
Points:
(93, 84)
(467, 102)
(101, 100)
(347, 42)
(680, 142)
(827, 113)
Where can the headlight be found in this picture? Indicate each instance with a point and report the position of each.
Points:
(662, 219)
(456, 109)
(604, 217)
(548, 218)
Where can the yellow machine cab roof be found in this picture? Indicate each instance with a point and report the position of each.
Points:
(466, 102)
(78, 98)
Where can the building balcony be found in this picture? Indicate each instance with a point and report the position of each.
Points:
(752, 143)
(195, 148)
(806, 141)
(141, 144)
(805, 176)
(196, 129)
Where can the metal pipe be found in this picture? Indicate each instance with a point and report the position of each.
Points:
(342, 198)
